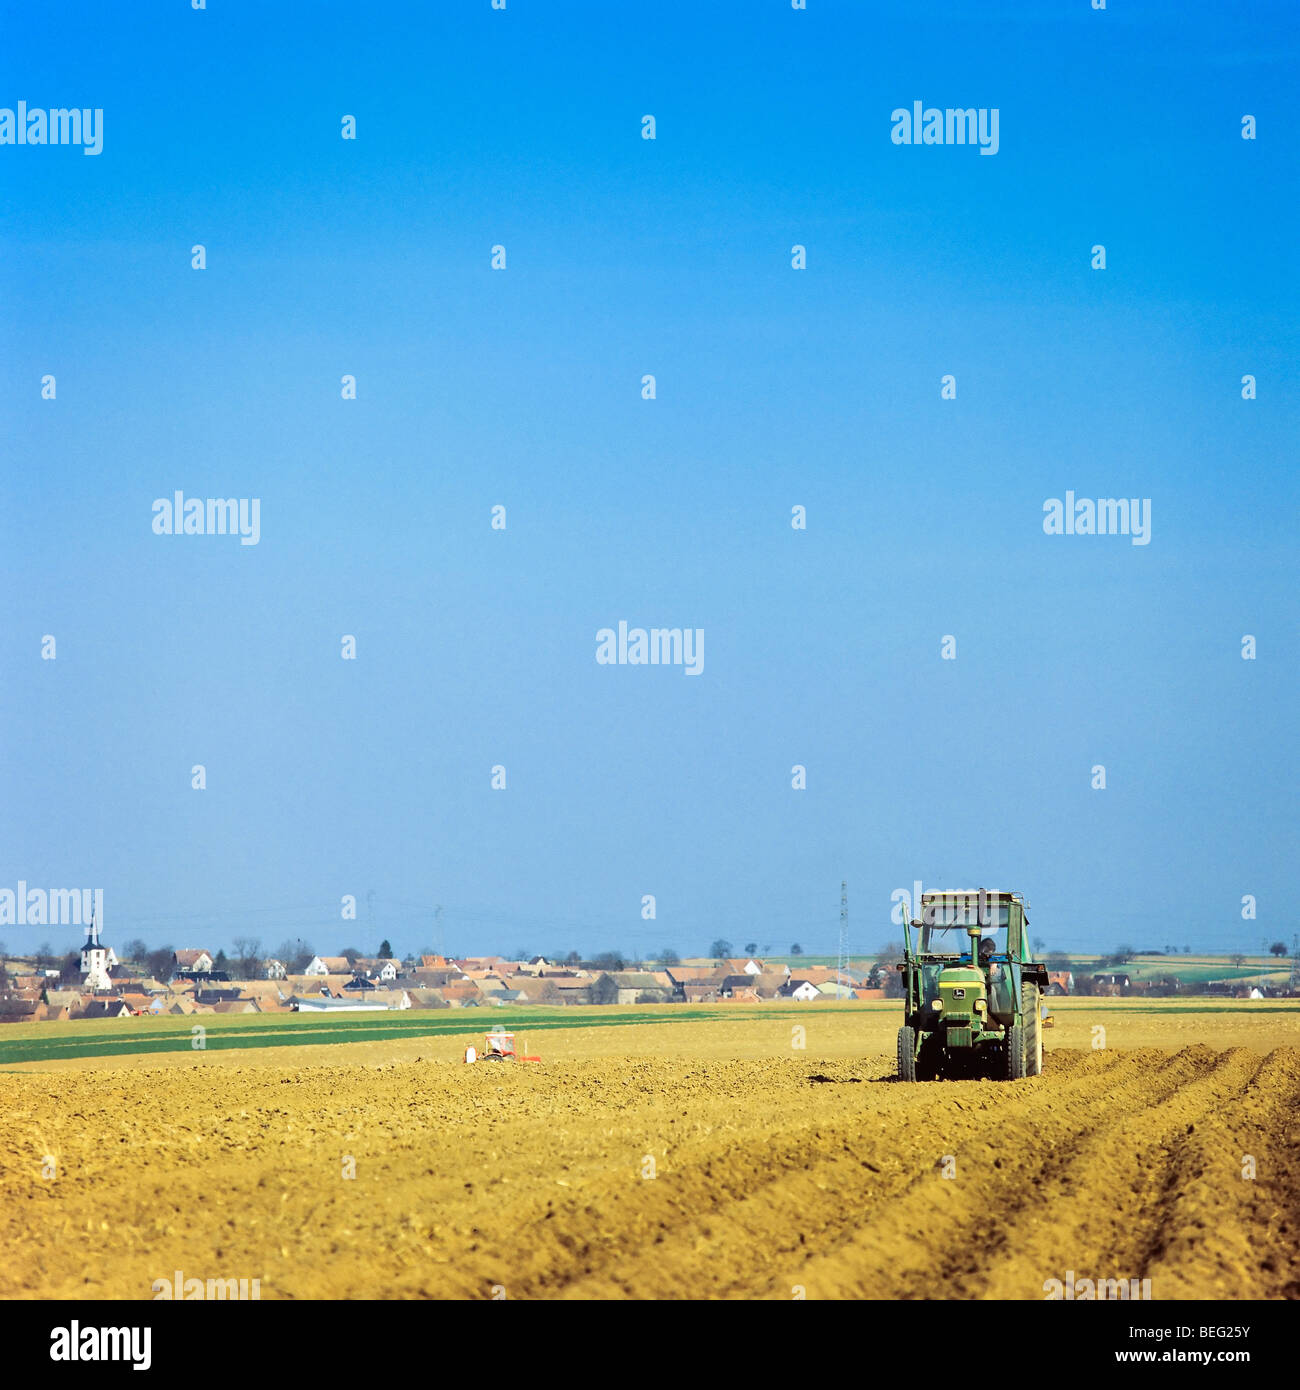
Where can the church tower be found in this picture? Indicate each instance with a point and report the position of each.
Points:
(94, 959)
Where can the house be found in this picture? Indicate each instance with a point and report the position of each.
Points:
(191, 962)
(377, 967)
(21, 1010)
(270, 996)
(632, 984)
(769, 984)
(705, 993)
(236, 1006)
(683, 975)
(571, 989)
(537, 965)
(426, 999)
(536, 991)
(461, 994)
(803, 990)
(1060, 982)
(1110, 984)
(106, 1008)
(834, 990)
(434, 977)
(328, 965)
(274, 970)
(435, 963)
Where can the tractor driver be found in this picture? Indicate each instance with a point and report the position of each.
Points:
(987, 947)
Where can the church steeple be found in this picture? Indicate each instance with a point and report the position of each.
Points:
(94, 958)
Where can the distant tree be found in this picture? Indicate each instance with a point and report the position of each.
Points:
(796, 949)
(1278, 948)
(1039, 944)
(669, 957)
(4, 950)
(609, 960)
(572, 958)
(604, 991)
(1123, 954)
(385, 949)
(160, 962)
(720, 949)
(350, 954)
(521, 954)
(1085, 984)
(1187, 950)
(295, 954)
(1237, 959)
(135, 951)
(751, 948)
(44, 958)
(4, 978)
(221, 961)
(248, 957)
(70, 966)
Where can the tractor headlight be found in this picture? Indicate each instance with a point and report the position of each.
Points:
(937, 1005)
(981, 1007)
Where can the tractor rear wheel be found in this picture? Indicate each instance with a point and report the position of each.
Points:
(907, 1054)
(1033, 1026)
(1015, 1053)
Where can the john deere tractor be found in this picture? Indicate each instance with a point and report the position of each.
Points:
(972, 993)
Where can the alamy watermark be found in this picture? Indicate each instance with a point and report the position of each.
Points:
(52, 907)
(61, 125)
(180, 1288)
(931, 125)
(1107, 516)
(179, 515)
(656, 646)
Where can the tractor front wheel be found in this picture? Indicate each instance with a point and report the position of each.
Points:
(907, 1054)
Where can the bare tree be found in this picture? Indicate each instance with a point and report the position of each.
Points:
(159, 962)
(248, 955)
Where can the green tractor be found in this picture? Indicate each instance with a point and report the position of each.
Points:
(973, 996)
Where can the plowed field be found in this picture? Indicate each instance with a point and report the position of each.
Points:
(778, 1176)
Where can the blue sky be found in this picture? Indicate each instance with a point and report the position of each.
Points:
(775, 387)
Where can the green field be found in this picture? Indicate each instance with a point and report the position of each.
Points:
(44, 1042)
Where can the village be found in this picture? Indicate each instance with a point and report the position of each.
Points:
(96, 982)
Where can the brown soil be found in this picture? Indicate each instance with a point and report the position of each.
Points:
(774, 1176)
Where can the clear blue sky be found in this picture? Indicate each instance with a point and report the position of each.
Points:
(775, 388)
